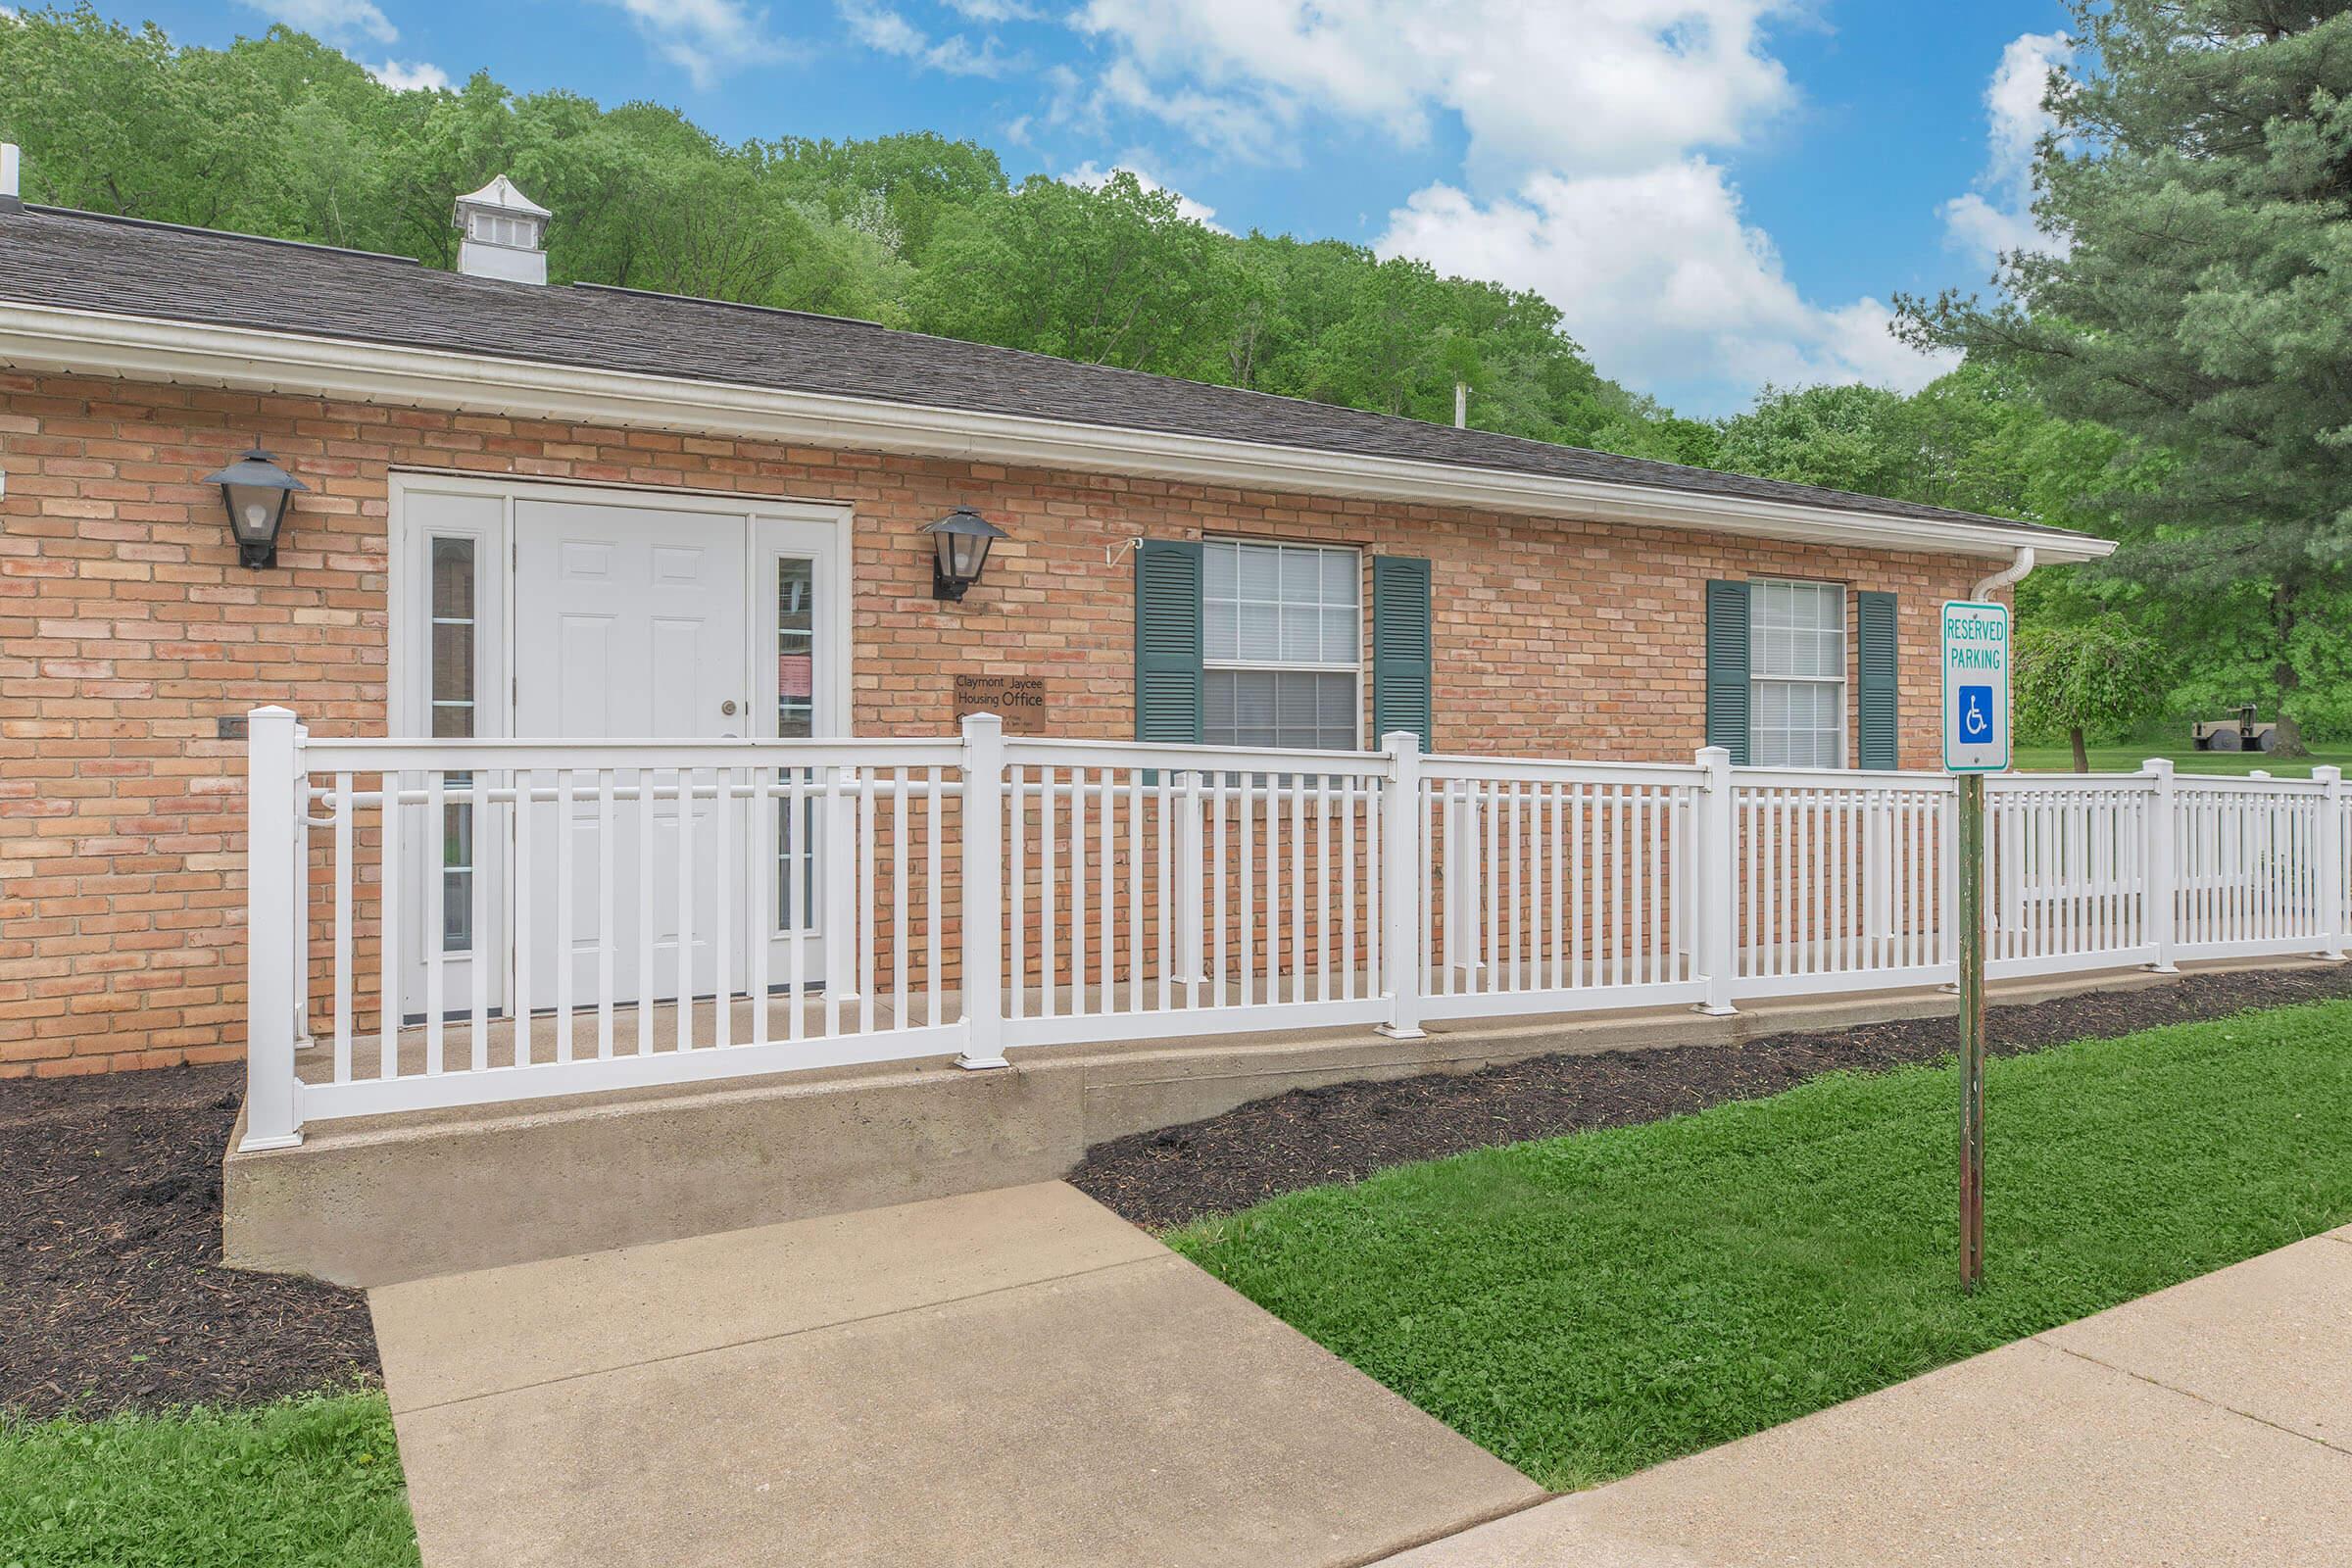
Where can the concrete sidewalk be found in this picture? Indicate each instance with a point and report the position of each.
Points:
(2207, 1425)
(1012, 1377)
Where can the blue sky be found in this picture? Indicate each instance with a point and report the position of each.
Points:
(1718, 193)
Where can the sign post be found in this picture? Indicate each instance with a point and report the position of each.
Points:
(1976, 741)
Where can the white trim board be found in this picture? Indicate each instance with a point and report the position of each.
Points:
(50, 338)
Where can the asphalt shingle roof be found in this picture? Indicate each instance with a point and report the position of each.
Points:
(50, 257)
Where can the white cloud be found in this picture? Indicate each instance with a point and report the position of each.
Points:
(1231, 124)
(1593, 133)
(408, 75)
(1997, 216)
(705, 38)
(1587, 84)
(330, 18)
(993, 11)
(1587, 172)
(1094, 176)
(1986, 231)
(1662, 279)
(881, 28)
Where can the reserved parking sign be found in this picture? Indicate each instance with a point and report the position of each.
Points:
(1976, 687)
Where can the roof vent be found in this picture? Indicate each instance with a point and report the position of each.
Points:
(10, 200)
(503, 230)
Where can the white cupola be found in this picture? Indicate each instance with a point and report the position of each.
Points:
(502, 231)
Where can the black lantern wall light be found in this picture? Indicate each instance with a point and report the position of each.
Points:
(257, 492)
(959, 543)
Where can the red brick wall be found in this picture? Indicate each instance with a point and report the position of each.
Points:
(127, 629)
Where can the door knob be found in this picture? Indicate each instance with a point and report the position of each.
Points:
(727, 706)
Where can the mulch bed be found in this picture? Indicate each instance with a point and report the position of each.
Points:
(1345, 1132)
(112, 1293)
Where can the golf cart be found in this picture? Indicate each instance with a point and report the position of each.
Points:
(2239, 734)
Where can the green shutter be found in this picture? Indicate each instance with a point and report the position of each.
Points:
(1727, 668)
(1400, 647)
(1879, 679)
(1167, 642)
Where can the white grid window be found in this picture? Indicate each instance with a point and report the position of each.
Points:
(1797, 668)
(1284, 627)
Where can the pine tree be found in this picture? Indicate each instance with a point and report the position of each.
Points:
(2195, 291)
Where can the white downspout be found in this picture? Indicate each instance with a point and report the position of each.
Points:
(2015, 573)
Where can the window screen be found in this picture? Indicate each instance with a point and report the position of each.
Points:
(1796, 666)
(1284, 631)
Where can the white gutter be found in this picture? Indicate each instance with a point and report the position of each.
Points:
(40, 337)
(2013, 572)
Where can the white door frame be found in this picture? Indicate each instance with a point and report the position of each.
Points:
(491, 524)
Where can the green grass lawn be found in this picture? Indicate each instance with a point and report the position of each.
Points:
(1585, 1306)
(2127, 757)
(312, 1480)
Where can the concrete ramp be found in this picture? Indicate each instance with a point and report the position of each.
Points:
(1012, 1377)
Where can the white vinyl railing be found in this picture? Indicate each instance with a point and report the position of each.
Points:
(1153, 891)
(459, 922)
(1841, 878)
(1555, 886)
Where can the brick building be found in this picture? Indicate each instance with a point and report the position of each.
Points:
(588, 511)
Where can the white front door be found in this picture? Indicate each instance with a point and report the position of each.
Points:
(630, 623)
(558, 612)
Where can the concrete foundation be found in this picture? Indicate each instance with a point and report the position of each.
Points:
(374, 1200)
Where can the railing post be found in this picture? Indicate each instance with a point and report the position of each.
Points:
(1400, 829)
(1878, 874)
(1948, 882)
(1190, 967)
(2005, 841)
(2161, 892)
(272, 915)
(2330, 842)
(983, 892)
(1718, 880)
(1465, 871)
(837, 865)
(301, 850)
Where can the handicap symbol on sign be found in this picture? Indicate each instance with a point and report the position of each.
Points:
(1975, 714)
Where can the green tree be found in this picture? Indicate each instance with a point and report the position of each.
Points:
(2200, 174)
(896, 187)
(1116, 276)
(1861, 438)
(114, 119)
(2096, 678)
